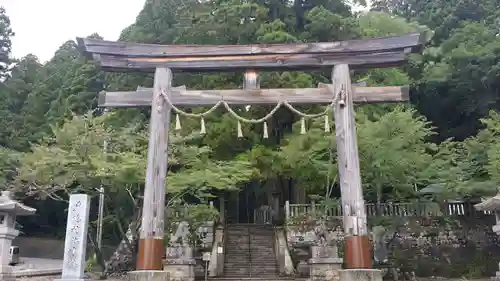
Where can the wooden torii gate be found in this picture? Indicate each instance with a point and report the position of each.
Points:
(342, 56)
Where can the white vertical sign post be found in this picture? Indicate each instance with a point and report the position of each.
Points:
(75, 247)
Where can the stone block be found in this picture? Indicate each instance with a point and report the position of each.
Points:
(7, 277)
(178, 252)
(324, 252)
(179, 264)
(324, 263)
(303, 268)
(325, 269)
(180, 272)
(360, 275)
(148, 275)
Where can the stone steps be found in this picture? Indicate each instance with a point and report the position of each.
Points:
(262, 254)
(250, 253)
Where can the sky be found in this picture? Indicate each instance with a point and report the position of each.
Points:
(42, 26)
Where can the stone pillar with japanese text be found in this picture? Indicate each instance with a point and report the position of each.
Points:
(75, 245)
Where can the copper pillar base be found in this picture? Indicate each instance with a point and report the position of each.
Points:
(358, 252)
(150, 255)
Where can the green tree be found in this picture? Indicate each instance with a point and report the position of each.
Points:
(9, 162)
(395, 157)
(480, 160)
(6, 34)
(460, 76)
(72, 159)
(16, 91)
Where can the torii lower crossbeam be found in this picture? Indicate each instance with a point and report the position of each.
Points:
(322, 95)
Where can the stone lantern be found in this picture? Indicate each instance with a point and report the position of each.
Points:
(9, 210)
(492, 205)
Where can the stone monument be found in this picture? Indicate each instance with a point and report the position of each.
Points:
(9, 209)
(325, 263)
(492, 205)
(75, 247)
(179, 262)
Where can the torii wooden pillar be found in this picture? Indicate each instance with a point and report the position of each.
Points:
(378, 52)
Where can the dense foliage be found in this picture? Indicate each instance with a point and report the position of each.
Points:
(52, 135)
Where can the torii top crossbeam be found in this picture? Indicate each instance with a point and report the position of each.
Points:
(364, 53)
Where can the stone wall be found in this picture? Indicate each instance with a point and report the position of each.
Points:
(34, 247)
(449, 247)
(446, 246)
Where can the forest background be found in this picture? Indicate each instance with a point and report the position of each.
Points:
(52, 133)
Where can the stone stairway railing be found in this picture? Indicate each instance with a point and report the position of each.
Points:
(216, 264)
(282, 252)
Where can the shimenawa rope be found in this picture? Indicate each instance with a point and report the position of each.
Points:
(339, 96)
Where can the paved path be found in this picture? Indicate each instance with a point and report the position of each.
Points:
(31, 269)
(113, 279)
(36, 266)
